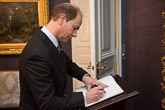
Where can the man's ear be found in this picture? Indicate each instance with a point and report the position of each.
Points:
(61, 19)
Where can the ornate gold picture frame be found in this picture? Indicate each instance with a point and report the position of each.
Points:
(43, 18)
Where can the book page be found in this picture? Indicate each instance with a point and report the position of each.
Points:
(113, 89)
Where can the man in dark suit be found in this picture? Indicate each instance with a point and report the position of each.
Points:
(43, 68)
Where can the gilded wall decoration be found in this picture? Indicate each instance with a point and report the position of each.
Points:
(163, 62)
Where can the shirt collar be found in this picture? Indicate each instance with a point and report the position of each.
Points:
(50, 35)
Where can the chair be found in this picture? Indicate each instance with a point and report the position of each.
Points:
(9, 90)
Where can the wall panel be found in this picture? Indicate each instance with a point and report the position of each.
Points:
(142, 33)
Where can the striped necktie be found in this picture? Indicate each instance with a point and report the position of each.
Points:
(58, 47)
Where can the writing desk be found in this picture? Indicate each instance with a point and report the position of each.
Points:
(117, 102)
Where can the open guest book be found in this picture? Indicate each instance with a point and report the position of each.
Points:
(111, 91)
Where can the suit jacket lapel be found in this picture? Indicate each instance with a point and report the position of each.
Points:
(55, 53)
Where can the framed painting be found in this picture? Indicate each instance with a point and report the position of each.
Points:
(18, 22)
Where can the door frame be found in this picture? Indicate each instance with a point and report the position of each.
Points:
(118, 25)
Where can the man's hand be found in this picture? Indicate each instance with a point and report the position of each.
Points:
(89, 82)
(96, 93)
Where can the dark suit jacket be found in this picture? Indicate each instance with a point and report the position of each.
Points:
(43, 76)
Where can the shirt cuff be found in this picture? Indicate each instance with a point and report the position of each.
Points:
(84, 76)
(85, 99)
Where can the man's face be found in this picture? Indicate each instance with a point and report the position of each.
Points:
(69, 29)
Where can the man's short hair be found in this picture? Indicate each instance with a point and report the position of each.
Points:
(66, 8)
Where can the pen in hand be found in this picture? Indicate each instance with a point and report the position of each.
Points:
(95, 86)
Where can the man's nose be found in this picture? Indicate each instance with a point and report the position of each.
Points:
(75, 33)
